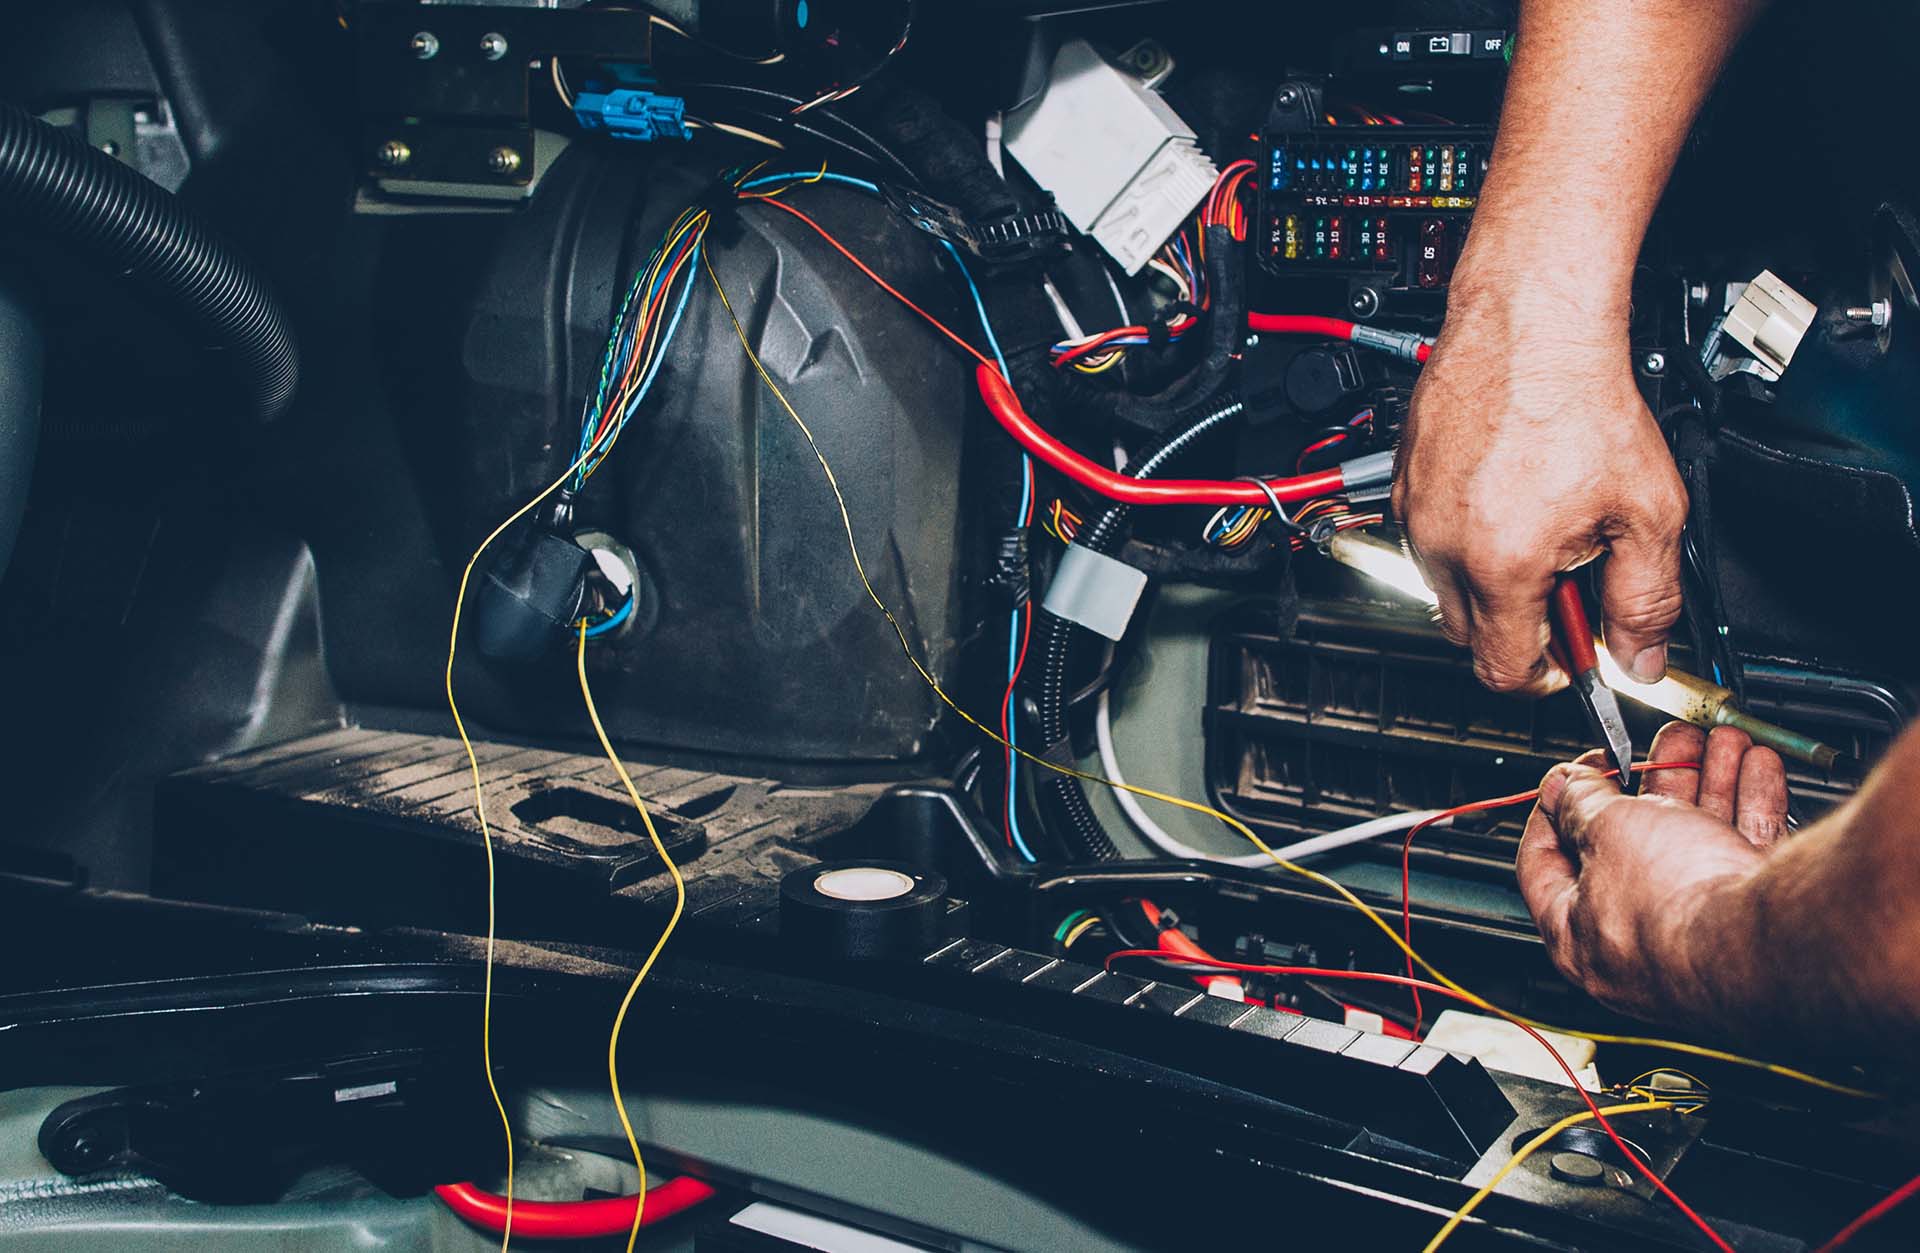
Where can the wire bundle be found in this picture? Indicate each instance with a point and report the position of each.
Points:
(1182, 261)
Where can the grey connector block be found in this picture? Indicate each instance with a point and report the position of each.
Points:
(1119, 161)
(1097, 591)
(1769, 321)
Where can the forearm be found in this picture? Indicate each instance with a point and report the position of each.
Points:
(1599, 100)
(1819, 947)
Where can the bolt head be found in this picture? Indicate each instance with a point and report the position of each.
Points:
(1697, 293)
(425, 45)
(109, 147)
(503, 160)
(493, 45)
(394, 153)
(1364, 302)
(1288, 96)
(1654, 363)
(1882, 312)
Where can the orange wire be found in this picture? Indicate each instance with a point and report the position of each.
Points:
(885, 286)
(1498, 802)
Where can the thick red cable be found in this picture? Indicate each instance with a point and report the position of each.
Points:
(1884, 1206)
(1498, 802)
(1369, 976)
(1007, 410)
(1308, 324)
(572, 1220)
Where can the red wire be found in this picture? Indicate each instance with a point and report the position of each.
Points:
(1316, 446)
(1308, 324)
(1498, 802)
(885, 286)
(1368, 976)
(1174, 940)
(1006, 706)
(1007, 410)
(1886, 1205)
(573, 1220)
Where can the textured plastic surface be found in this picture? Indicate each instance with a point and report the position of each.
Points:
(766, 644)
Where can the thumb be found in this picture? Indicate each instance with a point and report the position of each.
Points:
(1640, 599)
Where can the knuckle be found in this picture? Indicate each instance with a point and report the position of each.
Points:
(1653, 608)
(1504, 674)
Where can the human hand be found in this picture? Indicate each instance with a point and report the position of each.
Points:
(1631, 892)
(1528, 451)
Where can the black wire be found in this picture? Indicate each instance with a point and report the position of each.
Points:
(872, 149)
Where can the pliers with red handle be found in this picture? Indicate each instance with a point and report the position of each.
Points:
(1573, 637)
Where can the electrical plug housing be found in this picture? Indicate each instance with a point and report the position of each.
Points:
(1119, 161)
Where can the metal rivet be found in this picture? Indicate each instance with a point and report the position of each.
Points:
(1654, 363)
(425, 45)
(503, 160)
(394, 152)
(493, 45)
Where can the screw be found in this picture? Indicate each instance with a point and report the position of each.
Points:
(1365, 302)
(503, 160)
(394, 153)
(1288, 96)
(425, 45)
(493, 45)
(109, 147)
(1879, 313)
(1654, 363)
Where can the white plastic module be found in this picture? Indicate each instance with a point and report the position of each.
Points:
(1119, 161)
(1769, 321)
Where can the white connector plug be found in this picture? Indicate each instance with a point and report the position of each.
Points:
(1119, 161)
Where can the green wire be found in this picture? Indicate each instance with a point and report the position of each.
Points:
(1066, 925)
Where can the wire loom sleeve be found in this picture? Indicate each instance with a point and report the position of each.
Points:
(54, 182)
(1062, 799)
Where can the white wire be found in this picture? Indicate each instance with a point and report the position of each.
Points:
(1158, 836)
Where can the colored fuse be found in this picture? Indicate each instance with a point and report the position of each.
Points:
(1446, 169)
(1413, 168)
(1379, 239)
(1292, 228)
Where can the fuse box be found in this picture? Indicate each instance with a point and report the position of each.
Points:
(1388, 202)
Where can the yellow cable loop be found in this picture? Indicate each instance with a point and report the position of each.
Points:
(1079, 930)
(1178, 802)
(480, 795)
(673, 920)
(1528, 1150)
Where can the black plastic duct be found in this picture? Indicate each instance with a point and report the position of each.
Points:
(53, 182)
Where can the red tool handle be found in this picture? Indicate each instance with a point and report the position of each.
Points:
(1570, 624)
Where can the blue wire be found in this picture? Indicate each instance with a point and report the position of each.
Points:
(613, 623)
(1026, 462)
(653, 371)
(1013, 625)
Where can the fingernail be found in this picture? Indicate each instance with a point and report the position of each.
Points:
(1649, 664)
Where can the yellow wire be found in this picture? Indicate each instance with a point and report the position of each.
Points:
(1528, 1150)
(1080, 930)
(480, 806)
(673, 920)
(1178, 802)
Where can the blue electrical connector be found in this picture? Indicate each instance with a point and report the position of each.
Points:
(632, 113)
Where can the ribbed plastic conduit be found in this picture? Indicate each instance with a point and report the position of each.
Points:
(52, 181)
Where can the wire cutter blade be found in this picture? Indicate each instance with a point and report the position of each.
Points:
(1574, 635)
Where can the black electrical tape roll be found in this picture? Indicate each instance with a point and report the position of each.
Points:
(864, 909)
